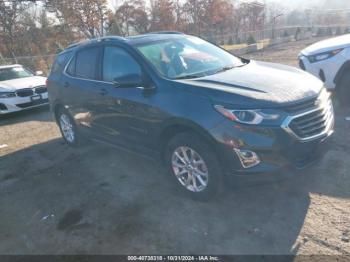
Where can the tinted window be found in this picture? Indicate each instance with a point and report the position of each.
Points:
(117, 63)
(60, 62)
(86, 63)
(71, 67)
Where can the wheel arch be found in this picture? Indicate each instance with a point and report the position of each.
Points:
(178, 126)
(343, 69)
(55, 109)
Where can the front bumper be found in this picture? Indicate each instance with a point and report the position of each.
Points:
(15, 104)
(280, 153)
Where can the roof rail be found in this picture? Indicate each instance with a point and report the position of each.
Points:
(105, 38)
(76, 44)
(167, 32)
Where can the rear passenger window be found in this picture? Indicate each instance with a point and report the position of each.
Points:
(86, 64)
(60, 62)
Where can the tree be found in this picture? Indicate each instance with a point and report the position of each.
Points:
(87, 17)
(132, 15)
(162, 16)
(218, 16)
(10, 12)
(195, 11)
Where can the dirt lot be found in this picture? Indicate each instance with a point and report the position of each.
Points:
(98, 200)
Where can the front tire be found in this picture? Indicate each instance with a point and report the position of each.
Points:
(343, 89)
(68, 128)
(192, 163)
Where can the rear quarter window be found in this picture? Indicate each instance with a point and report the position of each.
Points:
(60, 62)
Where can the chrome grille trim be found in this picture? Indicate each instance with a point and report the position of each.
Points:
(316, 126)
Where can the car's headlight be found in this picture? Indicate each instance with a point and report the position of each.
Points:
(250, 117)
(323, 56)
(7, 94)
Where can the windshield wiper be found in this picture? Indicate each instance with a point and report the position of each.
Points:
(188, 77)
(223, 69)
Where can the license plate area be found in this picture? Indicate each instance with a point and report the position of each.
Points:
(36, 98)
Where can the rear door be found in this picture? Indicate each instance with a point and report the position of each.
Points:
(81, 87)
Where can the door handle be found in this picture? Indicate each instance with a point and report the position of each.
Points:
(103, 92)
(66, 84)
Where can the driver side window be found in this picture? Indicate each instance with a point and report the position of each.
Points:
(118, 63)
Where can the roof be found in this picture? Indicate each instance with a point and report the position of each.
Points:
(10, 66)
(132, 40)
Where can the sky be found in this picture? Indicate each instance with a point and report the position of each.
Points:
(302, 4)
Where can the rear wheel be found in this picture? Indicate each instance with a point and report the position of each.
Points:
(194, 167)
(67, 127)
(343, 89)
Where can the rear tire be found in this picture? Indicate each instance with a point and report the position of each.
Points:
(194, 167)
(343, 89)
(68, 128)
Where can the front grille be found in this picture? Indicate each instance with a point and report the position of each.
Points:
(25, 92)
(40, 90)
(33, 103)
(302, 65)
(313, 123)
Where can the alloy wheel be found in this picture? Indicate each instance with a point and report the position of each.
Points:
(67, 128)
(190, 169)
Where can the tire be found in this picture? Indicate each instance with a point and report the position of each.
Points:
(201, 181)
(68, 128)
(343, 89)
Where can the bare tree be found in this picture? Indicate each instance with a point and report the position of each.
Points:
(87, 17)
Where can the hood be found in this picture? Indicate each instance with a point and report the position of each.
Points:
(327, 45)
(258, 85)
(27, 82)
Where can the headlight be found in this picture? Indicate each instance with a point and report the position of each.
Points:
(7, 94)
(323, 56)
(250, 117)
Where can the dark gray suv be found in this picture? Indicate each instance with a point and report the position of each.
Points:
(207, 113)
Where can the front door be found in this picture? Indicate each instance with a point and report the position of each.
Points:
(128, 116)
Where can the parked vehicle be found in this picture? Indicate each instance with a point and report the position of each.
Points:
(21, 89)
(206, 112)
(329, 60)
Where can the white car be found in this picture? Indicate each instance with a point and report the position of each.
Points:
(329, 60)
(21, 89)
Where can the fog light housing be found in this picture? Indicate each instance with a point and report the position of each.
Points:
(248, 158)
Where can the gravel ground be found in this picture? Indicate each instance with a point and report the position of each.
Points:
(99, 200)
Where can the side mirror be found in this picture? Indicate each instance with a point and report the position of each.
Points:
(132, 80)
(39, 73)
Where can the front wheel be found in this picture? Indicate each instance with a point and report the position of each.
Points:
(194, 166)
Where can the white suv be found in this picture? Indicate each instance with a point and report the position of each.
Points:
(21, 89)
(329, 60)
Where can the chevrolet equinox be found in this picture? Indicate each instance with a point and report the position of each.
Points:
(207, 113)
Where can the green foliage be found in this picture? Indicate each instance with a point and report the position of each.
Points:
(230, 41)
(329, 31)
(251, 40)
(320, 32)
(338, 31)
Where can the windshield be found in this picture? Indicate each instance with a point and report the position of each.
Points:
(14, 73)
(187, 57)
